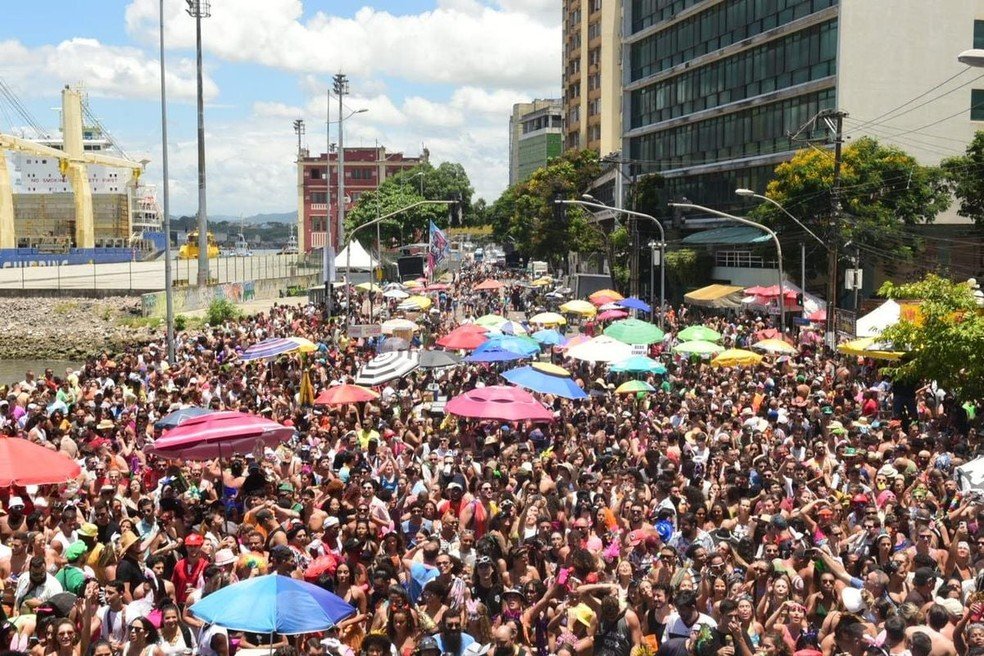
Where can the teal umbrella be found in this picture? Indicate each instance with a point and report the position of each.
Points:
(699, 332)
(639, 364)
(698, 347)
(635, 331)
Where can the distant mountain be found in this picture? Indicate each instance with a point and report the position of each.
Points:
(257, 219)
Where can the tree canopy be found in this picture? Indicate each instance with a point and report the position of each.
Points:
(963, 172)
(943, 340)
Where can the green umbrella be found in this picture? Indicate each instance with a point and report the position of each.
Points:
(635, 331)
(634, 386)
(699, 347)
(699, 332)
(491, 321)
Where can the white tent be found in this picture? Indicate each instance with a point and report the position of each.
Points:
(360, 259)
(875, 322)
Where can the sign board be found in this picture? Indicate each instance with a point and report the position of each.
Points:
(801, 321)
(640, 349)
(361, 331)
(853, 279)
(845, 322)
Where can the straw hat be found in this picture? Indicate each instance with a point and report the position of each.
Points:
(128, 540)
(105, 424)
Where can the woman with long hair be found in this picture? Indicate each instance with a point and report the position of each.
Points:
(351, 631)
(142, 639)
(175, 635)
(401, 629)
(66, 640)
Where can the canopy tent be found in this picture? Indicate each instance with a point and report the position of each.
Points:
(875, 322)
(721, 297)
(728, 235)
(355, 257)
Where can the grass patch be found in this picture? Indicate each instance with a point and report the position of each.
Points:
(141, 322)
(64, 307)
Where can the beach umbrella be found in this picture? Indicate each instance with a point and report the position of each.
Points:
(393, 325)
(498, 402)
(385, 367)
(639, 364)
(580, 338)
(413, 284)
(869, 347)
(488, 285)
(542, 282)
(736, 358)
(345, 394)
(579, 307)
(271, 348)
(393, 344)
(494, 353)
(305, 395)
(172, 419)
(415, 303)
(634, 303)
(611, 306)
(491, 321)
(609, 315)
(397, 294)
(23, 462)
(775, 346)
(549, 337)
(437, 359)
(546, 379)
(698, 347)
(603, 296)
(273, 604)
(699, 333)
(393, 285)
(438, 287)
(513, 328)
(600, 349)
(220, 434)
(515, 343)
(368, 287)
(548, 319)
(635, 331)
(465, 337)
(634, 386)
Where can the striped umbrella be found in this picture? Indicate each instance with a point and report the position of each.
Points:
(271, 348)
(387, 366)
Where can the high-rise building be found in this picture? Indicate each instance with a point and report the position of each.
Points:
(365, 170)
(592, 77)
(536, 134)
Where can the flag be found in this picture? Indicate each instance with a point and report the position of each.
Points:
(439, 247)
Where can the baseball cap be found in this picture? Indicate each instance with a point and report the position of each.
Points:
(331, 521)
(923, 575)
(88, 530)
(194, 540)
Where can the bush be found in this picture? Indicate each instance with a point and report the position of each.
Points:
(221, 310)
(180, 323)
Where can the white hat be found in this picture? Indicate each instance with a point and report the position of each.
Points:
(331, 521)
(853, 602)
(224, 557)
(15, 502)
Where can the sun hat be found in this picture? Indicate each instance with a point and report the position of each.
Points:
(224, 557)
(106, 424)
(128, 540)
(88, 530)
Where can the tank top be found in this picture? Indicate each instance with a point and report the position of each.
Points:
(613, 639)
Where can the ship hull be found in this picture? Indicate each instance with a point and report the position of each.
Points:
(32, 257)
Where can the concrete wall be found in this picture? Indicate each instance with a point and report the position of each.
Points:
(198, 298)
(746, 277)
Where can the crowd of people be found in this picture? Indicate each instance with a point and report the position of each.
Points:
(803, 506)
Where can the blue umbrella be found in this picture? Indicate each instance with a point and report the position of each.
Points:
(634, 303)
(515, 343)
(493, 353)
(639, 364)
(550, 337)
(273, 604)
(545, 383)
(176, 418)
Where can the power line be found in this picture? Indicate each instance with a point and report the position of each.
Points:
(875, 120)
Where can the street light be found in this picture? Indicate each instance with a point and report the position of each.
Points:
(199, 9)
(591, 201)
(973, 57)
(753, 224)
(341, 88)
(378, 219)
(168, 280)
(421, 176)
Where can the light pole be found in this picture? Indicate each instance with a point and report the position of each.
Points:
(378, 219)
(420, 176)
(168, 279)
(199, 9)
(748, 193)
(771, 233)
(591, 201)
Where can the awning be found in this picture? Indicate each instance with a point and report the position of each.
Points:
(716, 296)
(731, 235)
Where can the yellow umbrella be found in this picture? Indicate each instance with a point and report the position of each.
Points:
(306, 395)
(420, 302)
(548, 368)
(736, 358)
(542, 282)
(304, 345)
(413, 284)
(869, 347)
(368, 287)
(775, 346)
(579, 307)
(548, 319)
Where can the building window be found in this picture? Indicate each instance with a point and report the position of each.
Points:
(595, 5)
(319, 197)
(594, 30)
(977, 105)
(979, 33)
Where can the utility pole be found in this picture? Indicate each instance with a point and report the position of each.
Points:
(341, 88)
(803, 267)
(168, 274)
(199, 9)
(835, 122)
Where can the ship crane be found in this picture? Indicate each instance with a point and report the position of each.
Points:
(72, 162)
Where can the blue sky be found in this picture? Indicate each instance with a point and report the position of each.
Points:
(439, 73)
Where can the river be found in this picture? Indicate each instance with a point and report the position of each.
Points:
(12, 371)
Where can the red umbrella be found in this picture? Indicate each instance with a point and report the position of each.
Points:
(221, 434)
(771, 333)
(488, 285)
(25, 463)
(771, 292)
(499, 402)
(437, 287)
(466, 336)
(343, 394)
(327, 563)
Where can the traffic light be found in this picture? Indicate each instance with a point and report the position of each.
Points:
(799, 299)
(559, 208)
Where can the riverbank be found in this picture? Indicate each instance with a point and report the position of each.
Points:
(70, 328)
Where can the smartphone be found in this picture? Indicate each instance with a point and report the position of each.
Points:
(563, 576)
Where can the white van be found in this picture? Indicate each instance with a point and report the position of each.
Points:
(537, 268)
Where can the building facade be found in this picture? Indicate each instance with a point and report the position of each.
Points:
(365, 170)
(536, 134)
(592, 78)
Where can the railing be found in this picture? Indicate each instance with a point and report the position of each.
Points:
(742, 260)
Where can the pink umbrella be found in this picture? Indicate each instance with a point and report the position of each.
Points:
(499, 402)
(771, 292)
(488, 285)
(608, 315)
(580, 338)
(220, 434)
(437, 287)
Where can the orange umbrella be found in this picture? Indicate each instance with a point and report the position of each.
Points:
(343, 394)
(23, 462)
(603, 296)
(488, 285)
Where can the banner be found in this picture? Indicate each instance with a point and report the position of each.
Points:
(439, 248)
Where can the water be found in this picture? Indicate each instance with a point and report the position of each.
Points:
(12, 371)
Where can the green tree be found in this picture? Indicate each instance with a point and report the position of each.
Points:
(963, 173)
(944, 342)
(883, 190)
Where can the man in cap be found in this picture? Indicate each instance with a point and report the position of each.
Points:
(15, 519)
(923, 582)
(188, 570)
(71, 575)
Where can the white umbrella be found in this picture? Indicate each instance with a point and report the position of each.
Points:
(396, 293)
(601, 349)
(385, 367)
(393, 325)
